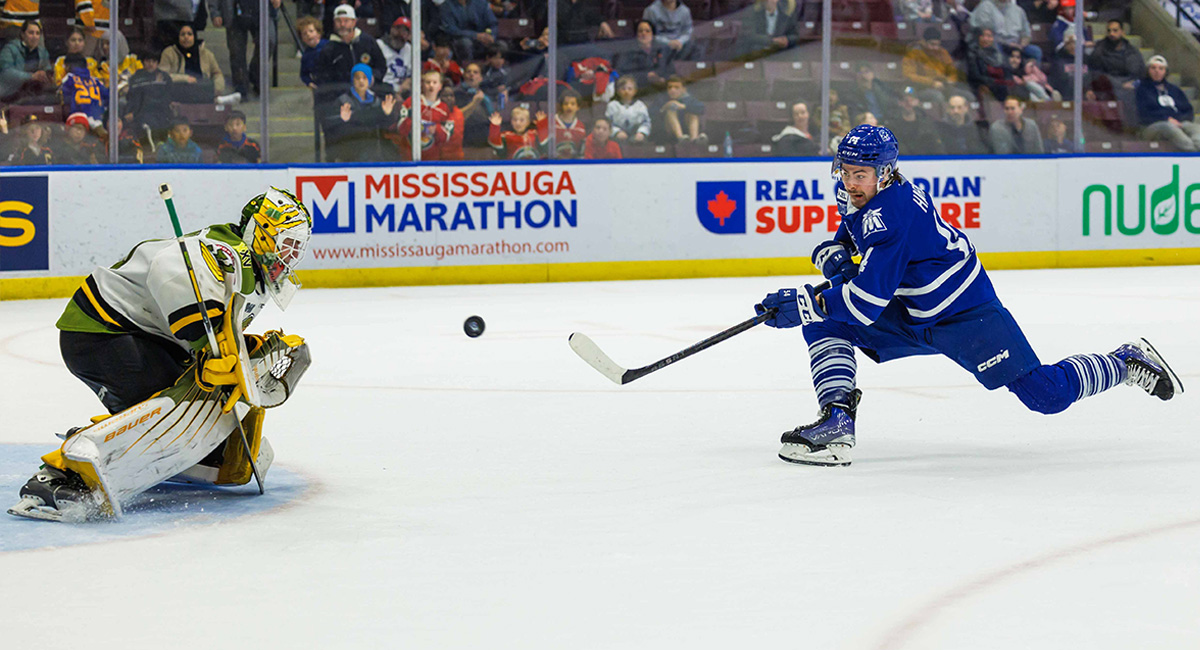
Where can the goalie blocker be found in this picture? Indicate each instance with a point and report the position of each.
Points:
(183, 433)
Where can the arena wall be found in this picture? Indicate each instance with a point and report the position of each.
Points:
(465, 224)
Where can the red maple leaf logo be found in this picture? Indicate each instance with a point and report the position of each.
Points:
(721, 207)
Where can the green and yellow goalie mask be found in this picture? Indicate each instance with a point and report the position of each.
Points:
(276, 226)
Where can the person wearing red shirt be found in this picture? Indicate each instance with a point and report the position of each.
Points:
(453, 150)
(569, 130)
(522, 143)
(599, 145)
(442, 62)
(437, 123)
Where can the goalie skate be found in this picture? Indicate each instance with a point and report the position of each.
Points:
(55, 495)
(828, 440)
(1148, 370)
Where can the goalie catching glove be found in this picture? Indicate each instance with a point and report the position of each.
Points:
(274, 365)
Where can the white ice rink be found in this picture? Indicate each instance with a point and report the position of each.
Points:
(499, 493)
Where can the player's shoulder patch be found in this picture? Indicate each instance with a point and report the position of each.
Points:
(872, 222)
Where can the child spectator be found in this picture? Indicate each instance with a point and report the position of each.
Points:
(628, 115)
(80, 145)
(522, 142)
(1057, 141)
(680, 114)
(355, 132)
(32, 147)
(74, 57)
(495, 76)
(476, 106)
(569, 130)
(598, 145)
(129, 149)
(1036, 82)
(236, 147)
(311, 36)
(454, 144)
(83, 94)
(796, 139)
(148, 104)
(179, 148)
(125, 69)
(437, 124)
(442, 61)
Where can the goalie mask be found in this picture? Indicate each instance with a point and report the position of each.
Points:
(276, 226)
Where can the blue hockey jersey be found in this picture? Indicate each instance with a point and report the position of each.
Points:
(908, 254)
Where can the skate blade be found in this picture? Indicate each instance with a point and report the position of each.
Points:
(831, 456)
(1178, 385)
(35, 508)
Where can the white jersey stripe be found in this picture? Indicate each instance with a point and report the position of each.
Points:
(929, 313)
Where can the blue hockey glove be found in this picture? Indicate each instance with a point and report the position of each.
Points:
(791, 307)
(834, 261)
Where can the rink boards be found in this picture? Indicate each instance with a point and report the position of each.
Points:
(472, 223)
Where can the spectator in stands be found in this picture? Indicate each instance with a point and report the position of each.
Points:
(928, 66)
(129, 149)
(1057, 141)
(32, 147)
(236, 147)
(673, 26)
(1008, 23)
(148, 105)
(471, 26)
(74, 57)
(1016, 134)
(129, 65)
(396, 46)
(522, 142)
(1061, 71)
(628, 115)
(25, 65)
(913, 128)
(915, 11)
(771, 26)
(190, 62)
(171, 15)
(1164, 110)
(569, 131)
(958, 131)
(985, 67)
(533, 47)
(475, 105)
(81, 93)
(868, 95)
(178, 147)
(679, 115)
(311, 37)
(437, 122)
(80, 144)
(495, 80)
(1117, 58)
(648, 60)
(592, 76)
(347, 47)
(355, 132)
(839, 113)
(1040, 12)
(576, 21)
(504, 8)
(1065, 22)
(454, 144)
(442, 61)
(240, 18)
(796, 139)
(599, 144)
(956, 14)
(1035, 80)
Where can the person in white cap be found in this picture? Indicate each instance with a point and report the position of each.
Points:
(348, 46)
(1164, 111)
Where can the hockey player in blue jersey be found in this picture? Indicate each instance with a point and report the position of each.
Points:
(920, 289)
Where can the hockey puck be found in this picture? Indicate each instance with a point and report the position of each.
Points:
(473, 326)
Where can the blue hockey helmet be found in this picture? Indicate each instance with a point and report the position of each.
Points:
(868, 146)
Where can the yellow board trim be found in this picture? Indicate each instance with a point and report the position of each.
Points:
(87, 291)
(188, 320)
(32, 288)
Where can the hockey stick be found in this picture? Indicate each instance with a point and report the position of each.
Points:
(595, 357)
(164, 191)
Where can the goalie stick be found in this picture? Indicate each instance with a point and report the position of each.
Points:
(596, 358)
(164, 190)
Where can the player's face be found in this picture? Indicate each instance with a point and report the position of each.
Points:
(860, 183)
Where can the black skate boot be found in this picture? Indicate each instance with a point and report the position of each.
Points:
(1148, 370)
(56, 495)
(826, 441)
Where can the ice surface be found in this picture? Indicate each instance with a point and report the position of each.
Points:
(499, 493)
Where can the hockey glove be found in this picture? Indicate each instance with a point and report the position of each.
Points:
(834, 261)
(791, 307)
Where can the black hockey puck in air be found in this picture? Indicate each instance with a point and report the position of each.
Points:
(473, 326)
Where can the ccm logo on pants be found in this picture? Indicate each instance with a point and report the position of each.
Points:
(993, 361)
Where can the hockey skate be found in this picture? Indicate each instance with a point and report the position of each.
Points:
(57, 495)
(826, 441)
(1148, 370)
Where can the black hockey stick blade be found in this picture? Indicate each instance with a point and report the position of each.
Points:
(596, 358)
